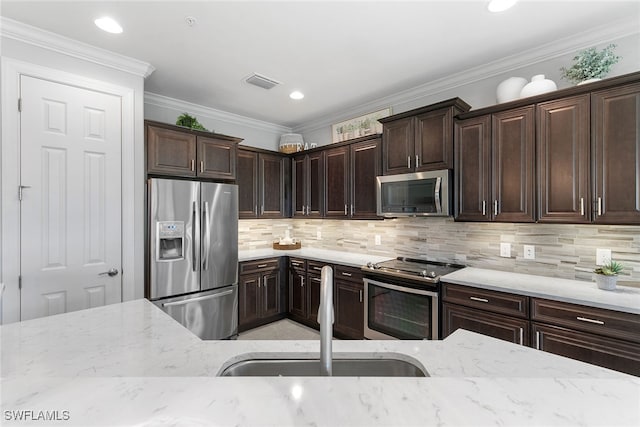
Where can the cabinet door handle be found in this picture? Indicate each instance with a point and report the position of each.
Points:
(262, 265)
(484, 207)
(345, 210)
(599, 206)
(586, 319)
(256, 210)
(521, 336)
(317, 268)
(302, 281)
(495, 208)
(295, 264)
(479, 299)
(417, 162)
(262, 210)
(192, 166)
(360, 291)
(344, 273)
(408, 162)
(537, 340)
(582, 206)
(351, 210)
(316, 279)
(201, 166)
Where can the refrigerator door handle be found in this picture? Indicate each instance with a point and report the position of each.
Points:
(207, 237)
(194, 266)
(188, 301)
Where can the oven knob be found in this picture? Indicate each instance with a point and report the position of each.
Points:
(372, 265)
(424, 273)
(432, 274)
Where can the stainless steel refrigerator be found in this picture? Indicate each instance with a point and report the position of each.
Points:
(193, 251)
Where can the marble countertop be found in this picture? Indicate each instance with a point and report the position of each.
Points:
(624, 298)
(131, 364)
(339, 257)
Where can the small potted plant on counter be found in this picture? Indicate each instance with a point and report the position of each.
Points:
(607, 275)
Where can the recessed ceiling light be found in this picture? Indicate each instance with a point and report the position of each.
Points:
(296, 95)
(108, 24)
(500, 5)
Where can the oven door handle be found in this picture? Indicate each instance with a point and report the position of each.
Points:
(401, 288)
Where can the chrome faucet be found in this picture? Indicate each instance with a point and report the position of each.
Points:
(325, 319)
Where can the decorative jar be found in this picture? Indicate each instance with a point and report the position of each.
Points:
(510, 89)
(538, 85)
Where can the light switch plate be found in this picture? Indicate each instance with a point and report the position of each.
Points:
(529, 252)
(378, 240)
(505, 250)
(603, 256)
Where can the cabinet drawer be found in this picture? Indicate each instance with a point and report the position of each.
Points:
(259, 265)
(298, 264)
(497, 302)
(494, 325)
(351, 274)
(316, 266)
(589, 319)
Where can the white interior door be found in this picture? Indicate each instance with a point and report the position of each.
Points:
(70, 213)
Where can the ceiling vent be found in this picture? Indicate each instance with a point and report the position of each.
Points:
(261, 81)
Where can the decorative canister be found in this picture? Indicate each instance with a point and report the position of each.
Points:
(510, 89)
(538, 85)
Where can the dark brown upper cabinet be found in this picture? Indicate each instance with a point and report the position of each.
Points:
(495, 167)
(473, 169)
(563, 149)
(421, 139)
(263, 181)
(350, 179)
(176, 151)
(615, 127)
(512, 166)
(307, 184)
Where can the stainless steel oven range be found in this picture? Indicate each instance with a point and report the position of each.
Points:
(402, 298)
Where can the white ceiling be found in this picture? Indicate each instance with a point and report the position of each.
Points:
(339, 53)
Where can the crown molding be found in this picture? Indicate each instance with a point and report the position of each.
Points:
(24, 33)
(212, 113)
(602, 34)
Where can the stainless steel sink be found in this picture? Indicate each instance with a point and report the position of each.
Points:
(311, 368)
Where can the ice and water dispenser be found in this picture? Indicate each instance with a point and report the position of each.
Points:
(170, 244)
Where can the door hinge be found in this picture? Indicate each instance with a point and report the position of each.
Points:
(20, 104)
(19, 282)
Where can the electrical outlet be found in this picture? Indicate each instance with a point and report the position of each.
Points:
(603, 256)
(529, 252)
(319, 235)
(505, 250)
(378, 240)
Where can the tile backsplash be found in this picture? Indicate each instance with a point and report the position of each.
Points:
(567, 251)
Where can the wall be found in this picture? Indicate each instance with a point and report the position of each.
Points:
(480, 92)
(566, 251)
(256, 133)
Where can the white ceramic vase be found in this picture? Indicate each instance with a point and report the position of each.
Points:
(538, 85)
(607, 283)
(510, 89)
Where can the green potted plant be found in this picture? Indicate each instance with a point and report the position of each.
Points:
(189, 121)
(590, 65)
(607, 275)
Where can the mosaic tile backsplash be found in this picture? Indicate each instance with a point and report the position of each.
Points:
(566, 251)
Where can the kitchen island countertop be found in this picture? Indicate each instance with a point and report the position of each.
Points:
(131, 364)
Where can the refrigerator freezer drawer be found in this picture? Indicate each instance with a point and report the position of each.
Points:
(211, 315)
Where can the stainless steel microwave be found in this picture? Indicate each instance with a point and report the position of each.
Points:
(414, 194)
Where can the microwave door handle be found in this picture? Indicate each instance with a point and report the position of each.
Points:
(437, 195)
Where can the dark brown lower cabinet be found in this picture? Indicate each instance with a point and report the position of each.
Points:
(297, 294)
(260, 296)
(494, 325)
(598, 350)
(348, 309)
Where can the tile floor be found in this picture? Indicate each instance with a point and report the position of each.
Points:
(284, 329)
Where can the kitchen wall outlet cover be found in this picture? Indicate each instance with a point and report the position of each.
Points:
(378, 240)
(529, 252)
(603, 256)
(505, 250)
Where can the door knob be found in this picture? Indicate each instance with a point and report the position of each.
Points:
(110, 273)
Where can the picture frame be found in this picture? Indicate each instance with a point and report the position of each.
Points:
(359, 126)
